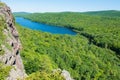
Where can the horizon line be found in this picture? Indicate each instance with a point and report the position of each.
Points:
(64, 11)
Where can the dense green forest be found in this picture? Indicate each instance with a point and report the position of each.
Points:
(100, 30)
(90, 55)
(109, 13)
(73, 53)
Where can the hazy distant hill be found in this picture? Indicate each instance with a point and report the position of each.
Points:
(21, 13)
(108, 13)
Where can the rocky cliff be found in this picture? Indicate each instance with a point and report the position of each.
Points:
(10, 45)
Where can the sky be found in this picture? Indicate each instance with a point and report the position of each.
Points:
(62, 5)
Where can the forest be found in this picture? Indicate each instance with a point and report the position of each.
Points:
(92, 54)
(100, 30)
(108, 13)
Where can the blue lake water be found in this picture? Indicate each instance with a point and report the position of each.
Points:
(43, 27)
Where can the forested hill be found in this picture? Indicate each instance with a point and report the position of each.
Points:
(21, 13)
(92, 54)
(109, 13)
(106, 13)
(101, 31)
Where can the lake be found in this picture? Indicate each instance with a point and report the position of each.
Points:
(43, 27)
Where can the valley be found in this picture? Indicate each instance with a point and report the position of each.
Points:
(96, 43)
(42, 40)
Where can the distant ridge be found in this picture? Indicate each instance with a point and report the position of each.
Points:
(21, 13)
(108, 13)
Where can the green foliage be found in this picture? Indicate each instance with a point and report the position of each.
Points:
(109, 13)
(2, 4)
(39, 63)
(100, 30)
(2, 36)
(1, 51)
(4, 71)
(45, 76)
(43, 52)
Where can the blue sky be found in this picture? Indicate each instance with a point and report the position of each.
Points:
(62, 5)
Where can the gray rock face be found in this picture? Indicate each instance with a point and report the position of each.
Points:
(11, 56)
(66, 75)
(63, 73)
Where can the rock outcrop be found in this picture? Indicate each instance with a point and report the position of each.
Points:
(64, 73)
(11, 56)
